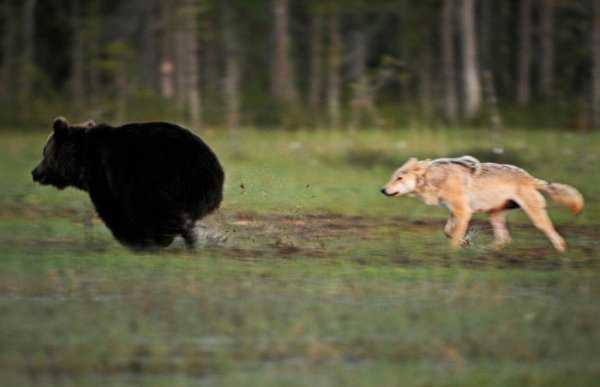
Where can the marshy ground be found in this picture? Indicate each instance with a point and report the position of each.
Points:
(321, 281)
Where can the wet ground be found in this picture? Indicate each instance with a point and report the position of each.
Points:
(307, 276)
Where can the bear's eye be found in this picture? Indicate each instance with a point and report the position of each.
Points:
(399, 178)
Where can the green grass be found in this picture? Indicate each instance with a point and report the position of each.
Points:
(322, 281)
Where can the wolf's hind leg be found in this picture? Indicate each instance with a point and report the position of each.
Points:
(449, 226)
(534, 205)
(501, 234)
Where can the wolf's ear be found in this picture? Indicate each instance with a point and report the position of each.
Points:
(60, 126)
(420, 167)
(409, 163)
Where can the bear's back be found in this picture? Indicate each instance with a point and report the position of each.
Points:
(147, 178)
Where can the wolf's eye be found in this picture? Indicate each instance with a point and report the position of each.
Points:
(399, 178)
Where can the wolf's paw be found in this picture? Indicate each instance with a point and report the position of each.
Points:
(560, 245)
(463, 243)
(499, 244)
(469, 238)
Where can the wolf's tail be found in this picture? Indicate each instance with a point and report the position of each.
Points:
(563, 194)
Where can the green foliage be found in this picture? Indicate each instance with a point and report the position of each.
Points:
(118, 54)
(122, 42)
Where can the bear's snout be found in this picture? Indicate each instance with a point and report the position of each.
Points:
(37, 175)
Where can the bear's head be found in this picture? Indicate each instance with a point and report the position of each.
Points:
(62, 161)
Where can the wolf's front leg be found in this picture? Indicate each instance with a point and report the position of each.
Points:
(462, 217)
(449, 226)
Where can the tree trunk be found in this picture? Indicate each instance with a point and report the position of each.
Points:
(232, 68)
(524, 58)
(334, 67)
(486, 31)
(547, 42)
(180, 57)
(122, 83)
(358, 64)
(191, 66)
(27, 65)
(77, 57)
(426, 84)
(150, 45)
(472, 83)
(596, 68)
(492, 100)
(94, 51)
(448, 61)
(316, 64)
(8, 50)
(211, 58)
(167, 62)
(283, 87)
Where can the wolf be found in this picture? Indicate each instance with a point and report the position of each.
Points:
(464, 185)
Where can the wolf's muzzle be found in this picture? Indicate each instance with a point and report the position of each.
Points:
(383, 191)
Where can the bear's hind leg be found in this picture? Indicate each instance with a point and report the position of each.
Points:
(164, 240)
(190, 236)
(187, 230)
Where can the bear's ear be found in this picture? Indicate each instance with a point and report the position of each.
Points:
(90, 124)
(60, 125)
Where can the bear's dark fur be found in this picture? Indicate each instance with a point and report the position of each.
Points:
(149, 182)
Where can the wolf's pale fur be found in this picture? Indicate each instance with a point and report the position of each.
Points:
(466, 186)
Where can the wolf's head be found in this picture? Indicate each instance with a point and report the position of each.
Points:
(62, 156)
(405, 179)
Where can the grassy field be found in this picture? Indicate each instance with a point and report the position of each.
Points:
(322, 280)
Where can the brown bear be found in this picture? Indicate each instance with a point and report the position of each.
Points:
(149, 182)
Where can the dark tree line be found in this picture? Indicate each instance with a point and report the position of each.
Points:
(338, 63)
